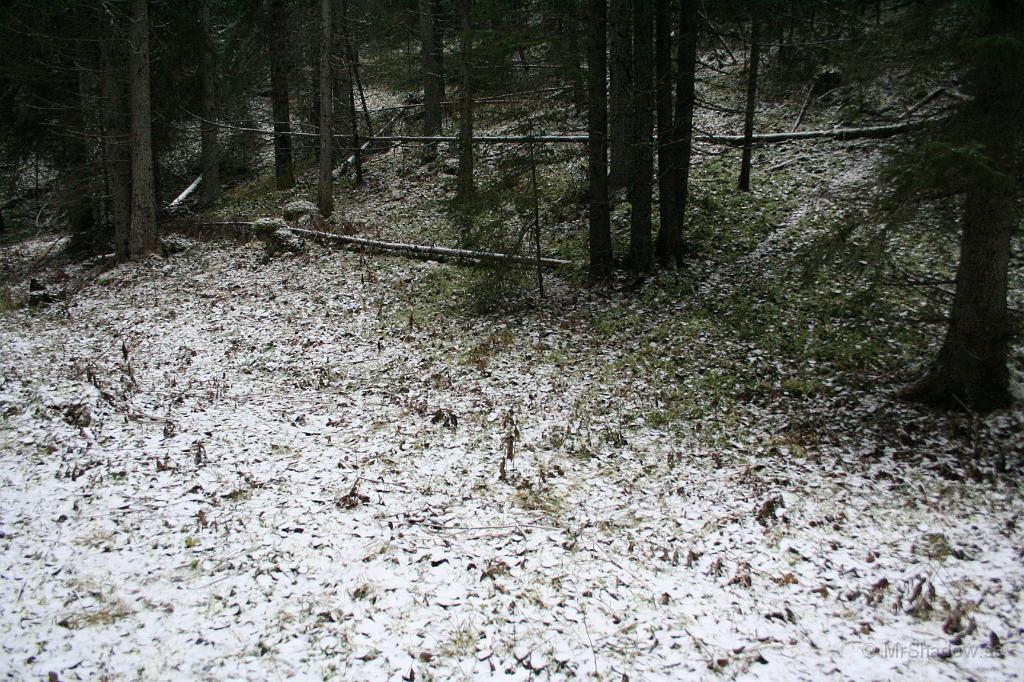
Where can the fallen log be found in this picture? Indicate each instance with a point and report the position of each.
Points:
(187, 193)
(419, 250)
(731, 140)
(365, 147)
(833, 133)
(485, 139)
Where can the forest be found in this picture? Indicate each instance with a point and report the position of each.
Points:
(511, 339)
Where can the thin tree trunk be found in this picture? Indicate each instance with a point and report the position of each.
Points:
(356, 148)
(209, 191)
(971, 368)
(143, 237)
(601, 256)
(431, 72)
(354, 61)
(116, 135)
(349, 95)
(325, 195)
(284, 167)
(748, 119)
(640, 254)
(669, 234)
(620, 101)
(250, 144)
(465, 186)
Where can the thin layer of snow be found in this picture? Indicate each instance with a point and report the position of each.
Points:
(216, 467)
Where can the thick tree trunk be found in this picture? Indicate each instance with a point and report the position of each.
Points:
(601, 256)
(343, 120)
(116, 147)
(669, 231)
(325, 192)
(465, 185)
(431, 71)
(620, 101)
(682, 132)
(641, 184)
(439, 54)
(209, 191)
(78, 179)
(971, 368)
(284, 168)
(143, 238)
(748, 119)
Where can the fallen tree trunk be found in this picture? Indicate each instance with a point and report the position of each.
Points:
(418, 250)
(187, 193)
(882, 131)
(486, 139)
(833, 133)
(343, 168)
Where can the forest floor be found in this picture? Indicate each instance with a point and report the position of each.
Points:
(217, 464)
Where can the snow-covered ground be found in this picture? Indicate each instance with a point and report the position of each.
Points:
(213, 466)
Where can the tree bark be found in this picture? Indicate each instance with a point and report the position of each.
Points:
(439, 54)
(971, 368)
(620, 102)
(601, 256)
(343, 119)
(465, 185)
(669, 234)
(349, 95)
(431, 71)
(641, 185)
(284, 168)
(682, 131)
(143, 237)
(748, 119)
(325, 191)
(78, 179)
(116, 147)
(209, 191)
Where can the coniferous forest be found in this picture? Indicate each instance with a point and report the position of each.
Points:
(511, 339)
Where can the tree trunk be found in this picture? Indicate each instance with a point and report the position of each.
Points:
(348, 95)
(284, 168)
(431, 71)
(682, 132)
(325, 195)
(116, 148)
(313, 111)
(343, 120)
(971, 370)
(642, 181)
(439, 54)
(465, 187)
(78, 179)
(209, 191)
(143, 237)
(669, 234)
(620, 103)
(250, 144)
(748, 119)
(601, 256)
